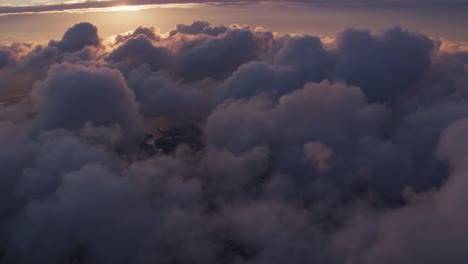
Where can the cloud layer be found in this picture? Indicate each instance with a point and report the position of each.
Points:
(350, 151)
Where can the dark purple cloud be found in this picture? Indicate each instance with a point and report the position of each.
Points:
(255, 78)
(6, 57)
(72, 95)
(218, 57)
(140, 50)
(383, 65)
(148, 32)
(159, 95)
(78, 37)
(199, 27)
(195, 58)
(308, 57)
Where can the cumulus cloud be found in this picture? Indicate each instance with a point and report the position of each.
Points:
(318, 111)
(194, 58)
(402, 235)
(148, 32)
(159, 95)
(256, 78)
(5, 57)
(308, 57)
(353, 152)
(78, 37)
(317, 155)
(383, 65)
(199, 27)
(72, 95)
(218, 57)
(139, 51)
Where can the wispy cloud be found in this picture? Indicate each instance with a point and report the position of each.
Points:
(20, 9)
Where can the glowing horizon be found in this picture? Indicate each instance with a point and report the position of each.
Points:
(306, 19)
(118, 8)
(28, 7)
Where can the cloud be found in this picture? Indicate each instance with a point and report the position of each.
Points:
(78, 37)
(218, 57)
(73, 95)
(194, 58)
(308, 57)
(22, 64)
(306, 147)
(199, 27)
(148, 32)
(317, 155)
(5, 57)
(383, 66)
(140, 50)
(333, 114)
(159, 95)
(402, 235)
(256, 78)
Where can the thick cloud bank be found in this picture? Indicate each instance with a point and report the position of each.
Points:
(299, 151)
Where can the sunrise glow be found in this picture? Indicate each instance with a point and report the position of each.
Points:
(125, 8)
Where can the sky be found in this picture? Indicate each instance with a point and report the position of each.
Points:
(437, 19)
(172, 132)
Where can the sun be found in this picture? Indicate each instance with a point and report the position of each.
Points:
(125, 8)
